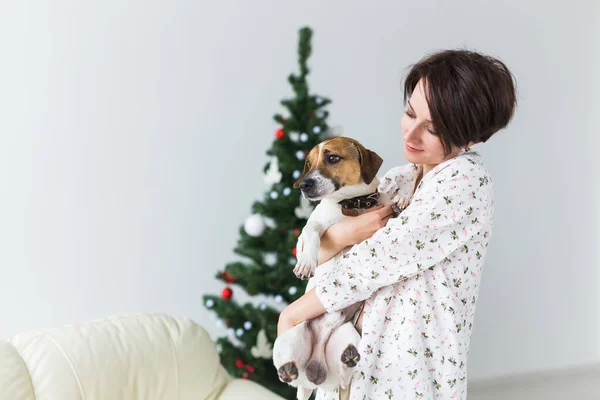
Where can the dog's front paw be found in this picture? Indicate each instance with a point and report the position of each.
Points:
(307, 254)
(398, 204)
(288, 372)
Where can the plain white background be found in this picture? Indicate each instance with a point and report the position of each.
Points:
(133, 136)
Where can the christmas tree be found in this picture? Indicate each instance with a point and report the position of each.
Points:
(267, 240)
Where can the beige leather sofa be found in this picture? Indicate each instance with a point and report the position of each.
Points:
(128, 357)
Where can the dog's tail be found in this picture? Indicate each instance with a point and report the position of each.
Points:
(316, 371)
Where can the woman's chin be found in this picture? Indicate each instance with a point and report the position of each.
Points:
(412, 157)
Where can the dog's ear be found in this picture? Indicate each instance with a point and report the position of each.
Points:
(306, 169)
(370, 162)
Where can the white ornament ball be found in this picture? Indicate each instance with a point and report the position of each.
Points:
(304, 137)
(294, 136)
(239, 332)
(254, 225)
(278, 299)
(317, 129)
(274, 195)
(209, 303)
(293, 290)
(247, 325)
(318, 100)
(287, 191)
(320, 114)
(270, 259)
(300, 154)
(263, 307)
(296, 174)
(293, 261)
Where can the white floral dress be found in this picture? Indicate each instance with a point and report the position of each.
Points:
(420, 277)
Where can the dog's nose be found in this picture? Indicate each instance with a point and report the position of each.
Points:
(307, 184)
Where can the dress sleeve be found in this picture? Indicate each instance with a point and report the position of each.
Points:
(442, 217)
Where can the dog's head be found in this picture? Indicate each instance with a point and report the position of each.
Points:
(336, 165)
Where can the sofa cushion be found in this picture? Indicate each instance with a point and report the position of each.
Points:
(139, 356)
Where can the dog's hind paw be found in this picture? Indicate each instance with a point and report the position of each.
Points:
(288, 372)
(350, 356)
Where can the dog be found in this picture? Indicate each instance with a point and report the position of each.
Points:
(322, 352)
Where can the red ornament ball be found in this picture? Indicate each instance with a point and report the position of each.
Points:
(239, 363)
(279, 134)
(250, 368)
(294, 252)
(297, 232)
(226, 293)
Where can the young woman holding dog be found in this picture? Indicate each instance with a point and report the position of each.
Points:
(419, 273)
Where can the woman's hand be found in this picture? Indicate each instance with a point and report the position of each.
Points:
(351, 231)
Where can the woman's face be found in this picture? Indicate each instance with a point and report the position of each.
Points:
(421, 146)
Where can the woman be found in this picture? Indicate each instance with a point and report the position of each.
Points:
(419, 274)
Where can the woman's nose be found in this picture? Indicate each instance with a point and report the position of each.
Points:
(411, 133)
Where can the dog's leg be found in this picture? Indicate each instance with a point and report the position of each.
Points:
(291, 351)
(342, 353)
(307, 250)
(303, 393)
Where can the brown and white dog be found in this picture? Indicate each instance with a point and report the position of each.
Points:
(321, 352)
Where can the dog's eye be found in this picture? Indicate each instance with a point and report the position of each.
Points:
(333, 159)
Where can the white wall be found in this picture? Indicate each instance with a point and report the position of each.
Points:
(121, 120)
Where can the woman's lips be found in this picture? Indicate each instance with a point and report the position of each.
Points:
(411, 149)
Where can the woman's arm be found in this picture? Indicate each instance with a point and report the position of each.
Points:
(305, 308)
(345, 233)
(351, 231)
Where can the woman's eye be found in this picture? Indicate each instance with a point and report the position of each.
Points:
(334, 159)
(409, 114)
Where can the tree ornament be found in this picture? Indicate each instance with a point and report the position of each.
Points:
(318, 100)
(250, 368)
(294, 251)
(273, 175)
(300, 154)
(317, 129)
(296, 174)
(239, 332)
(274, 195)
(209, 303)
(228, 278)
(304, 137)
(263, 348)
(247, 325)
(294, 137)
(263, 307)
(287, 191)
(270, 259)
(270, 222)
(278, 299)
(239, 363)
(226, 293)
(279, 134)
(296, 232)
(293, 290)
(254, 225)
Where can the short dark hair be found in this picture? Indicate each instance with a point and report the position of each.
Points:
(471, 96)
